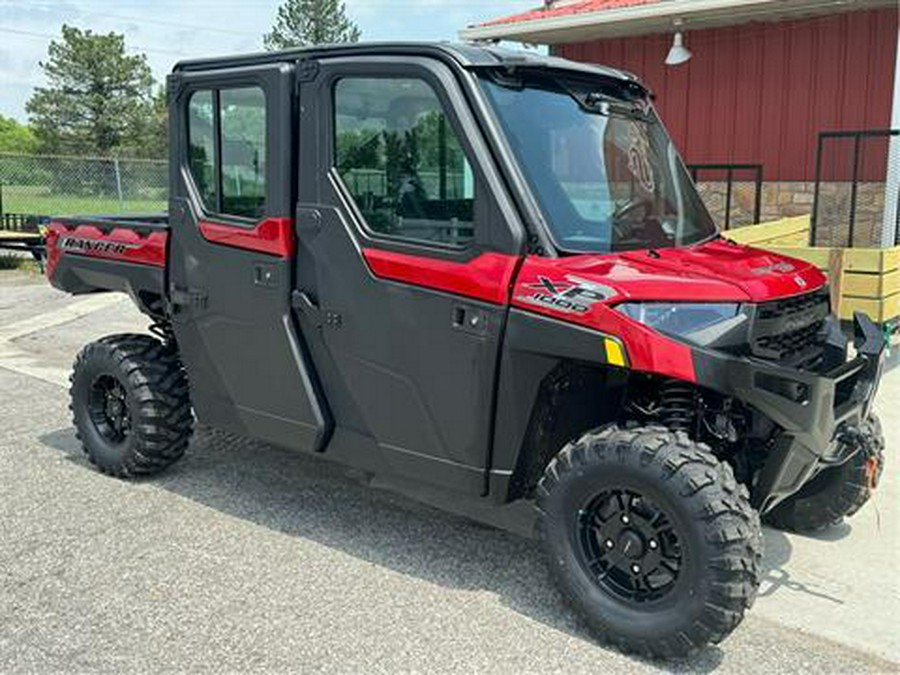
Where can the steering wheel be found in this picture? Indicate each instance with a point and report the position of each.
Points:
(626, 213)
(631, 206)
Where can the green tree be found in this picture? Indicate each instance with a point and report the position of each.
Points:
(153, 141)
(302, 23)
(16, 138)
(99, 99)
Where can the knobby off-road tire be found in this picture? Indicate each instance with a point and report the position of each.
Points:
(683, 507)
(837, 492)
(130, 404)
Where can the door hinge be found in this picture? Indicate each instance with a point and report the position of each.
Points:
(308, 307)
(192, 298)
(307, 69)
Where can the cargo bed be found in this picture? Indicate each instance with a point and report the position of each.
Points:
(89, 254)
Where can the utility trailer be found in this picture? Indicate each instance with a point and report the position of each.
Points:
(20, 233)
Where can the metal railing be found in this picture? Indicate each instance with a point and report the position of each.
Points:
(852, 192)
(19, 222)
(727, 209)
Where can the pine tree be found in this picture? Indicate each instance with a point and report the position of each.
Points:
(303, 23)
(99, 99)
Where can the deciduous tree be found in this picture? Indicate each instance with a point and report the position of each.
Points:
(16, 138)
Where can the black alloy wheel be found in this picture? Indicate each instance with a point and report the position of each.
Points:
(109, 409)
(630, 545)
(650, 538)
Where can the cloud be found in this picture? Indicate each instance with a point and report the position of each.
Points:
(170, 30)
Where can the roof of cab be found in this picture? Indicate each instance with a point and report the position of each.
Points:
(465, 55)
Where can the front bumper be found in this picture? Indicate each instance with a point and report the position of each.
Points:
(813, 409)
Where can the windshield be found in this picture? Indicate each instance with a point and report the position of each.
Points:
(600, 164)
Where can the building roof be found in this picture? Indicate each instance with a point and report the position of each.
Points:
(578, 20)
(568, 9)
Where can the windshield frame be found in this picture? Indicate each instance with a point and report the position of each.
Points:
(627, 99)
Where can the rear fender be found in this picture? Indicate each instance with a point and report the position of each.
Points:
(84, 259)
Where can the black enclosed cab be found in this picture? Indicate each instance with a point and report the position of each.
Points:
(489, 272)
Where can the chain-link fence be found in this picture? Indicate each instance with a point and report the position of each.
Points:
(853, 206)
(40, 185)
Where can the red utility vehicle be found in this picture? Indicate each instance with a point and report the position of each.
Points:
(490, 272)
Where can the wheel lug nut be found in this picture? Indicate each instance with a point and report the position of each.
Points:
(626, 519)
(610, 543)
(636, 569)
(653, 544)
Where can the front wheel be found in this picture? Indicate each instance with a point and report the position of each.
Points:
(650, 538)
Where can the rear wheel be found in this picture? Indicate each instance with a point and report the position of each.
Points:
(837, 492)
(130, 404)
(650, 538)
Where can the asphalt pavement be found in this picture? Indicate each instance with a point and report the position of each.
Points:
(245, 557)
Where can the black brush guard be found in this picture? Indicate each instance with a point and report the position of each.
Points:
(813, 409)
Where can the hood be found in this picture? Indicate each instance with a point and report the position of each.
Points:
(717, 271)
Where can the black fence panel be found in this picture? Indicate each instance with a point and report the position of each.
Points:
(851, 196)
(731, 192)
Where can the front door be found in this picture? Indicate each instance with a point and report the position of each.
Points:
(406, 256)
(232, 254)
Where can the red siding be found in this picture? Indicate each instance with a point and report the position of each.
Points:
(760, 93)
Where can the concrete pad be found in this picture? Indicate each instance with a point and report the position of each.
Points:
(247, 557)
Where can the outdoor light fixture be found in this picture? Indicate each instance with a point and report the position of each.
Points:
(678, 54)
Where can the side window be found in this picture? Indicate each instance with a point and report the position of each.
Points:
(243, 115)
(201, 146)
(402, 162)
(227, 150)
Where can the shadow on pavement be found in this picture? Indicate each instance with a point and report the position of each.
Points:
(306, 497)
(776, 579)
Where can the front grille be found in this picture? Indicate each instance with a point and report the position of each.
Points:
(794, 305)
(791, 330)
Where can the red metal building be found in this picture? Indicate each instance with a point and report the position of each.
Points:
(765, 76)
(762, 92)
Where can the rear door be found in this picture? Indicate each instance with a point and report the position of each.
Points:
(407, 249)
(232, 254)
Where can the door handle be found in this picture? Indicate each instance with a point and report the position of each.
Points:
(470, 320)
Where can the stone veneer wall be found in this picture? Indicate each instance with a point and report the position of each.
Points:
(789, 199)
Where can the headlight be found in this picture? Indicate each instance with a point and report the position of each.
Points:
(681, 318)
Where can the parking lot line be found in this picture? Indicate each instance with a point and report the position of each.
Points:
(13, 358)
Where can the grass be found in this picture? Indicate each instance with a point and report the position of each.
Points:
(12, 261)
(40, 201)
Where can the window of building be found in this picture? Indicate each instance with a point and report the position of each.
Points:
(230, 177)
(402, 162)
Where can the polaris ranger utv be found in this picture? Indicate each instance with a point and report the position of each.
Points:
(489, 272)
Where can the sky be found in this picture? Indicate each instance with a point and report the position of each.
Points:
(170, 30)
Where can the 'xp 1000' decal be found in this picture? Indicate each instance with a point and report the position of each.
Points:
(80, 245)
(572, 295)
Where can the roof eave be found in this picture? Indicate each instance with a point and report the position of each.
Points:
(657, 18)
